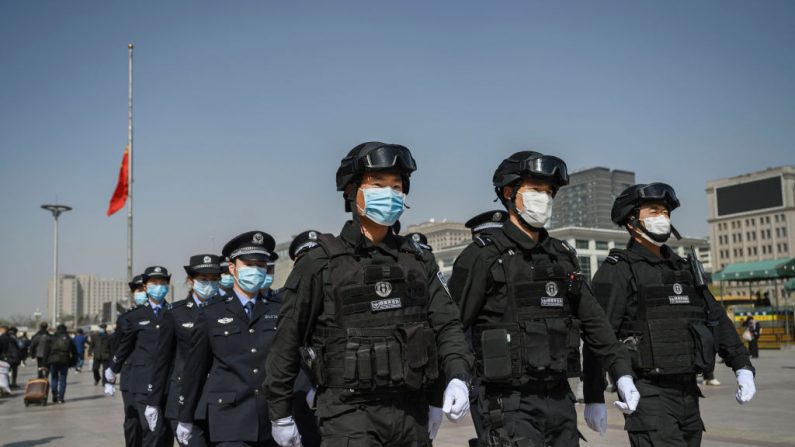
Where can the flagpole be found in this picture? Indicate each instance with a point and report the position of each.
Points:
(129, 163)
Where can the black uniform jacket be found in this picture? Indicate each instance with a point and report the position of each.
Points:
(223, 375)
(305, 288)
(138, 330)
(480, 290)
(173, 346)
(616, 291)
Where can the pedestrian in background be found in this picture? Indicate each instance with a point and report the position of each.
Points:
(751, 335)
(80, 339)
(99, 347)
(38, 349)
(62, 356)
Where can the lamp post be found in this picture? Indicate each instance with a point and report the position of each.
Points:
(56, 211)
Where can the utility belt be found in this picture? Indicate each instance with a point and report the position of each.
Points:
(515, 352)
(665, 347)
(369, 359)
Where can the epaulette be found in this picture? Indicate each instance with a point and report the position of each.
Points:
(612, 259)
(483, 241)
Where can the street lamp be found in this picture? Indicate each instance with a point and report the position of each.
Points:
(56, 211)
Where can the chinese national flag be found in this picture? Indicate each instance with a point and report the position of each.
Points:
(120, 194)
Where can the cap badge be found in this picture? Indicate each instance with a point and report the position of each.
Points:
(312, 236)
(258, 238)
(207, 259)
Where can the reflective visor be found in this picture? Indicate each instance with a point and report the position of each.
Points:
(389, 156)
(547, 166)
(659, 191)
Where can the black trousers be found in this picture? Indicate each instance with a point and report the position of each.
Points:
(532, 416)
(667, 415)
(98, 368)
(394, 420)
(753, 348)
(132, 429)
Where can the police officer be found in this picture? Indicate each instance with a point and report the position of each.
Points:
(372, 315)
(138, 332)
(520, 292)
(132, 427)
(660, 308)
(302, 243)
(231, 340)
(227, 280)
(485, 221)
(174, 344)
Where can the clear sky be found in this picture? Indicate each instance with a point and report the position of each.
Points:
(243, 110)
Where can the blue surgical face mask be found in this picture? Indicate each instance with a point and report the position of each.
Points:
(227, 281)
(383, 205)
(140, 298)
(205, 289)
(266, 282)
(157, 292)
(251, 279)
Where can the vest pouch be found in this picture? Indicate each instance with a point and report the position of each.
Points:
(415, 355)
(381, 361)
(704, 346)
(496, 347)
(350, 364)
(671, 346)
(364, 366)
(535, 346)
(395, 361)
(558, 344)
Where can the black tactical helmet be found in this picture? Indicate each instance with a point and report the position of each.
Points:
(529, 164)
(631, 198)
(374, 156)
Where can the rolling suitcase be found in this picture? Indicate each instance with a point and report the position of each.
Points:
(37, 391)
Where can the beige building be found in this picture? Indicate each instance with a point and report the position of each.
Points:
(752, 218)
(86, 295)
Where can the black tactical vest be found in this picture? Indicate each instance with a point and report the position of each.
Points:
(382, 339)
(669, 334)
(538, 336)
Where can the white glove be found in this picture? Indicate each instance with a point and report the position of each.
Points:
(310, 397)
(629, 395)
(434, 421)
(745, 386)
(456, 400)
(150, 413)
(183, 433)
(596, 417)
(285, 432)
(110, 390)
(110, 376)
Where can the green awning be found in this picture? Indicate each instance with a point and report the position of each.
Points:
(790, 285)
(755, 271)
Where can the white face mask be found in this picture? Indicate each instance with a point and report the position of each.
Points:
(537, 208)
(656, 229)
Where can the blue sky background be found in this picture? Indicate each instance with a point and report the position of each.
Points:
(243, 110)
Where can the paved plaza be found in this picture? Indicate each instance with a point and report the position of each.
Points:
(88, 418)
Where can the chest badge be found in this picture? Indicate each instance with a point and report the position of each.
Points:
(225, 320)
(143, 323)
(677, 289)
(552, 288)
(383, 289)
(188, 325)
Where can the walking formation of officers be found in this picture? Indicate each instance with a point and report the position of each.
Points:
(368, 344)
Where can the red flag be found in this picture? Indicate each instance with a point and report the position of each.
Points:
(120, 194)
